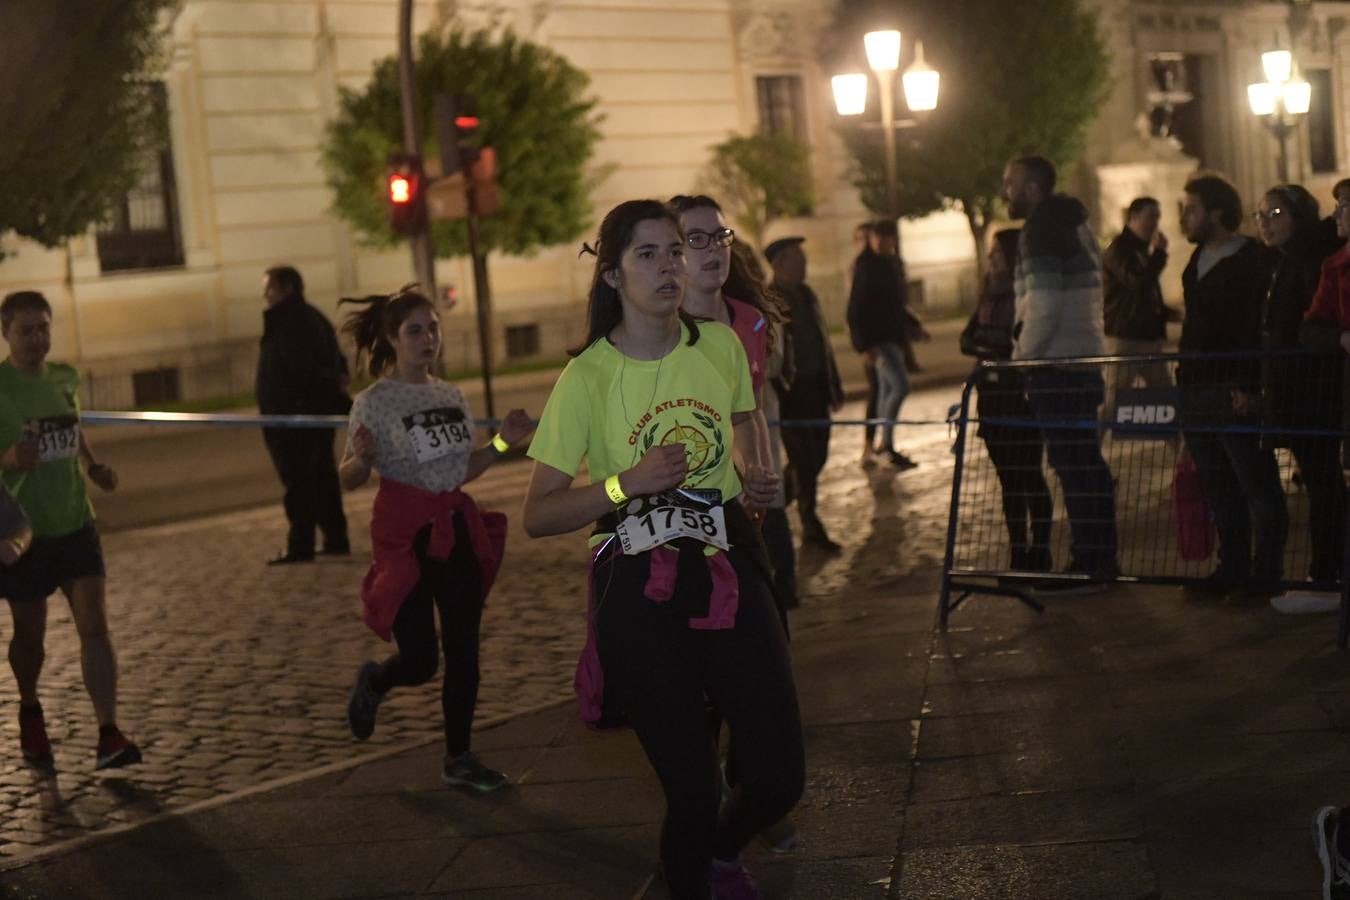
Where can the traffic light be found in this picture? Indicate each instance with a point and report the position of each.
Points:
(403, 194)
(457, 125)
(466, 132)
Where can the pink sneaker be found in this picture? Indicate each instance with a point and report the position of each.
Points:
(731, 881)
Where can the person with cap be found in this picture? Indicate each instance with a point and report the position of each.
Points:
(815, 390)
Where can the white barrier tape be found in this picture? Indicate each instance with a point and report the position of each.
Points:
(247, 420)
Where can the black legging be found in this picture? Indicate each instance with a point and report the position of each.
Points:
(1016, 455)
(663, 672)
(1319, 459)
(807, 449)
(452, 586)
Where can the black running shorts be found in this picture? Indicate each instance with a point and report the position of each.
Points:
(52, 561)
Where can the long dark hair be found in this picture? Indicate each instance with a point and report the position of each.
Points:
(1308, 237)
(604, 308)
(745, 277)
(370, 328)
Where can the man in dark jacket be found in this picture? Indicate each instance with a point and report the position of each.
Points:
(880, 323)
(1224, 284)
(301, 370)
(1135, 315)
(815, 391)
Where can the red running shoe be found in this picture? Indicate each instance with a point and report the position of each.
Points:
(114, 750)
(33, 742)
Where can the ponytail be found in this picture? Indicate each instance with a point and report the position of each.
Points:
(370, 328)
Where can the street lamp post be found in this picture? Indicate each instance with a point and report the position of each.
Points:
(921, 92)
(1279, 100)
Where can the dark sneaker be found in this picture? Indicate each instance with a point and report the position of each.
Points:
(901, 461)
(114, 750)
(466, 771)
(33, 742)
(336, 550)
(364, 702)
(1217, 584)
(731, 881)
(1254, 592)
(1335, 867)
(289, 558)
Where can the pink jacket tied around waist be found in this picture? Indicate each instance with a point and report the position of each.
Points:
(400, 511)
(724, 601)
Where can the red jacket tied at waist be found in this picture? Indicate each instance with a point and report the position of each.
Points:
(400, 511)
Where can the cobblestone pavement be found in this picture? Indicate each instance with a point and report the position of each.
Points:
(234, 674)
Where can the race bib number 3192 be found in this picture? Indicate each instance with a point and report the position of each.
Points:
(662, 518)
(58, 437)
(437, 432)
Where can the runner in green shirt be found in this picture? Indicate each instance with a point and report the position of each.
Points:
(41, 447)
(659, 406)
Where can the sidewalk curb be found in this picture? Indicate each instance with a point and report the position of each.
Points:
(47, 853)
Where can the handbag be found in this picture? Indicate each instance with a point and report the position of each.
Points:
(1196, 535)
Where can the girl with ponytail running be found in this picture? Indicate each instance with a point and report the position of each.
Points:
(434, 550)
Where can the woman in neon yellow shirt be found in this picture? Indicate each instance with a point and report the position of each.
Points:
(659, 407)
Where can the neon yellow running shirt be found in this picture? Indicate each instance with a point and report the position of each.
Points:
(610, 409)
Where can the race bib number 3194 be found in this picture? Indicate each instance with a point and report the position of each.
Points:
(437, 432)
(662, 518)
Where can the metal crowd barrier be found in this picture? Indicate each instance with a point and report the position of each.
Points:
(1083, 453)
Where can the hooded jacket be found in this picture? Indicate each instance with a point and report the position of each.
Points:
(1058, 284)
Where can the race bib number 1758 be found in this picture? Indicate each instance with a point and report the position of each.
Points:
(662, 518)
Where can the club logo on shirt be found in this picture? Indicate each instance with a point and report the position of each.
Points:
(703, 453)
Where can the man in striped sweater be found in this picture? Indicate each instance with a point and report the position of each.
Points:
(1059, 315)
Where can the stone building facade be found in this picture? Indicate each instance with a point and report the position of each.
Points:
(164, 301)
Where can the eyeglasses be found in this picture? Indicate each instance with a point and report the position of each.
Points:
(1266, 216)
(722, 237)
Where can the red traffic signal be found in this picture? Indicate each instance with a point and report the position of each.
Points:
(400, 189)
(403, 188)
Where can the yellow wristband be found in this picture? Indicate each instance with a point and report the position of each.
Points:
(499, 444)
(616, 494)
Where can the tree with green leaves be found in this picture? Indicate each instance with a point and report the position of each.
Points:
(760, 178)
(534, 112)
(1017, 79)
(76, 105)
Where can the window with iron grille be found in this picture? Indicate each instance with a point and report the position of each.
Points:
(1321, 121)
(522, 340)
(142, 229)
(781, 110)
(151, 387)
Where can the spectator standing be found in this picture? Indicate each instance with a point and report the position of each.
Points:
(1225, 284)
(301, 371)
(1014, 450)
(1326, 327)
(1058, 286)
(880, 323)
(815, 391)
(1135, 315)
(1302, 392)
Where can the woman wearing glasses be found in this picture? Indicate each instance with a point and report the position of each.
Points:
(658, 405)
(1301, 392)
(724, 287)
